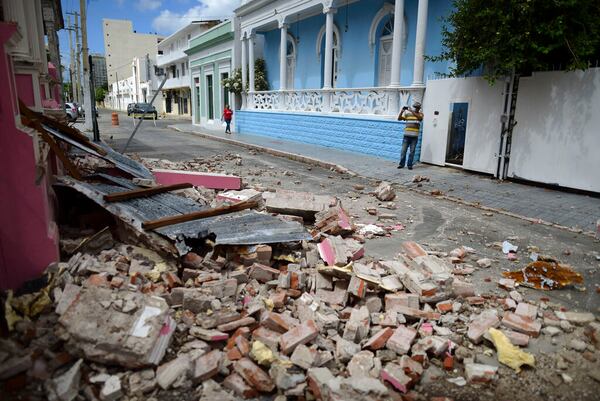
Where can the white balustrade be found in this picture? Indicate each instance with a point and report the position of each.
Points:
(364, 101)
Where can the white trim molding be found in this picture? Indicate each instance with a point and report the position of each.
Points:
(320, 36)
(386, 10)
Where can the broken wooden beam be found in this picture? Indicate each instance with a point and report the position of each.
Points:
(142, 192)
(58, 151)
(217, 211)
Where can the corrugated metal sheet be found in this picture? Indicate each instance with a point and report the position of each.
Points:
(241, 228)
(122, 162)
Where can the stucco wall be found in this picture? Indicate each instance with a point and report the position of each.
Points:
(358, 64)
(482, 139)
(557, 137)
(381, 138)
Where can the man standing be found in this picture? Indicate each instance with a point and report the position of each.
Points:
(413, 117)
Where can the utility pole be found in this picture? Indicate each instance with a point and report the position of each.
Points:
(71, 59)
(117, 82)
(87, 95)
(78, 94)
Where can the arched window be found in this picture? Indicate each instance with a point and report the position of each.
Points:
(385, 53)
(290, 61)
(381, 36)
(336, 54)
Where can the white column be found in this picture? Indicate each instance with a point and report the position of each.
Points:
(244, 70)
(283, 57)
(328, 68)
(420, 43)
(397, 42)
(244, 62)
(251, 62)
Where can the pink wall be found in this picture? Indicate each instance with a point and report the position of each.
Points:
(28, 234)
(24, 87)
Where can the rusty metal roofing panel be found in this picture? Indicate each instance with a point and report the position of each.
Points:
(240, 228)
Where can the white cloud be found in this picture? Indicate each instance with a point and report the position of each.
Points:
(168, 21)
(148, 5)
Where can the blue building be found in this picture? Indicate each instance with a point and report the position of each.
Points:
(339, 71)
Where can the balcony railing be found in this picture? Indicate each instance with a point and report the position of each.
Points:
(177, 82)
(376, 101)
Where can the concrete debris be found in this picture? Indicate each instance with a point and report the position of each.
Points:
(66, 386)
(385, 192)
(316, 319)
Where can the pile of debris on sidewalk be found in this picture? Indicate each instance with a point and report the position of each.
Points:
(226, 294)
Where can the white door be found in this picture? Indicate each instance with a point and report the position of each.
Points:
(291, 61)
(385, 61)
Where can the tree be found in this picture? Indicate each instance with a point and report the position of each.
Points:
(520, 36)
(100, 94)
(260, 75)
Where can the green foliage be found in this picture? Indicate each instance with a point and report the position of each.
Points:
(100, 94)
(234, 83)
(524, 35)
(260, 75)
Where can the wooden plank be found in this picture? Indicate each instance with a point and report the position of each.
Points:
(217, 211)
(142, 192)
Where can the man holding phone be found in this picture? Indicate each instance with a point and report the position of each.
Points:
(413, 116)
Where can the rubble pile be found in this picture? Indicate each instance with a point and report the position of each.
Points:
(308, 320)
(218, 315)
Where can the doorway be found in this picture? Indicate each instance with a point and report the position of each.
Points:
(210, 95)
(458, 128)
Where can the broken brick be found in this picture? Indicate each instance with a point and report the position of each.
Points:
(302, 334)
(253, 375)
(246, 321)
(207, 366)
(522, 324)
(480, 325)
(394, 374)
(235, 383)
(401, 299)
(401, 340)
(378, 340)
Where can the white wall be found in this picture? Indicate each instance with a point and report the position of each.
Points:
(557, 136)
(483, 121)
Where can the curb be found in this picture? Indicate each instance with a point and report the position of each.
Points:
(344, 170)
(274, 152)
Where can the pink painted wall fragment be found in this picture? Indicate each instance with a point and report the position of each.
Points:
(198, 179)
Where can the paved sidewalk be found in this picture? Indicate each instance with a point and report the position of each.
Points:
(553, 206)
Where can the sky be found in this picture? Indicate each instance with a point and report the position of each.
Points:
(148, 16)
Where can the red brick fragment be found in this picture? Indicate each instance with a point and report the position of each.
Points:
(235, 383)
(301, 334)
(254, 375)
(378, 340)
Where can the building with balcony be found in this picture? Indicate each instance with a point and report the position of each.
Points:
(212, 55)
(339, 71)
(139, 87)
(174, 61)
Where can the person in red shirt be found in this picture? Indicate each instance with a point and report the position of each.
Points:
(227, 115)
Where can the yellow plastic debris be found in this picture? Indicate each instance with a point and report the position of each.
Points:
(9, 313)
(269, 304)
(509, 354)
(262, 354)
